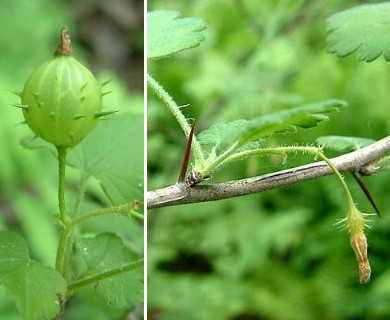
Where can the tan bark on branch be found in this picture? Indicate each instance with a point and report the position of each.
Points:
(181, 193)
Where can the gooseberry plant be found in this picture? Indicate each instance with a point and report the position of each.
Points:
(226, 143)
(62, 103)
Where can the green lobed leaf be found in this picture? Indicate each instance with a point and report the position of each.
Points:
(169, 33)
(343, 144)
(107, 251)
(241, 132)
(365, 29)
(113, 153)
(13, 252)
(37, 289)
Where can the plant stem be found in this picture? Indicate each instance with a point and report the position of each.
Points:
(213, 166)
(250, 153)
(65, 242)
(228, 157)
(319, 154)
(64, 251)
(125, 208)
(106, 274)
(82, 186)
(62, 152)
(66, 236)
(180, 118)
(68, 232)
(136, 214)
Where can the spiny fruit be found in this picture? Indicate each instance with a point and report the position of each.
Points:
(61, 100)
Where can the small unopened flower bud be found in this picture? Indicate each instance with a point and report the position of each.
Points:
(355, 223)
(359, 246)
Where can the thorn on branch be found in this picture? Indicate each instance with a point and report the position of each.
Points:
(186, 156)
(364, 188)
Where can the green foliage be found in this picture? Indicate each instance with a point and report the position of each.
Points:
(241, 139)
(364, 29)
(241, 132)
(107, 251)
(102, 155)
(23, 278)
(277, 254)
(343, 144)
(29, 180)
(168, 33)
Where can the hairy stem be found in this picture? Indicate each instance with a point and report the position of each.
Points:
(66, 236)
(64, 251)
(63, 245)
(344, 186)
(290, 149)
(106, 274)
(213, 166)
(180, 118)
(227, 157)
(125, 208)
(68, 232)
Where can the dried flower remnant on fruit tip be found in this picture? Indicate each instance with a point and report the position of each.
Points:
(65, 44)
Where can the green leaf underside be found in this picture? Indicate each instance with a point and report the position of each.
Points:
(107, 251)
(365, 29)
(343, 144)
(241, 132)
(35, 288)
(169, 33)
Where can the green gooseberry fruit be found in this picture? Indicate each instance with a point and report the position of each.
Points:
(61, 100)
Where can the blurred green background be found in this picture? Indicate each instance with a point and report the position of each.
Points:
(107, 37)
(277, 254)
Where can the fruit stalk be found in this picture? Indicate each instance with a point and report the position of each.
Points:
(62, 152)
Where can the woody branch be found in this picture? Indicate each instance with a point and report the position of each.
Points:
(181, 193)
